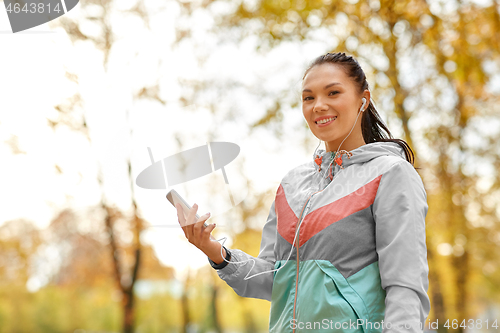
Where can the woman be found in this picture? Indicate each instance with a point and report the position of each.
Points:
(355, 215)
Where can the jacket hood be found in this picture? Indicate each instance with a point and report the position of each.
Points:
(361, 154)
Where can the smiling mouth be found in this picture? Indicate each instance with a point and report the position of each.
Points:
(324, 121)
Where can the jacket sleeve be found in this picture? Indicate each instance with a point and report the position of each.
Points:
(399, 210)
(259, 286)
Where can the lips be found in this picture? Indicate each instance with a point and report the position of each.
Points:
(328, 119)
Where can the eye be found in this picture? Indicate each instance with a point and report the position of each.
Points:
(333, 92)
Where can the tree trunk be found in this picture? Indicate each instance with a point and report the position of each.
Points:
(215, 325)
(128, 313)
(186, 317)
(437, 303)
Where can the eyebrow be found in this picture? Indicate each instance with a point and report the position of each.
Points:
(326, 87)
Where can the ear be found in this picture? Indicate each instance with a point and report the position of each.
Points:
(366, 94)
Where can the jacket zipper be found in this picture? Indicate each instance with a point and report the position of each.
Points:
(297, 246)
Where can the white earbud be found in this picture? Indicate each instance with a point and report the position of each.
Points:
(364, 103)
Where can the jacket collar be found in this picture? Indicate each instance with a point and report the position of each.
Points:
(361, 154)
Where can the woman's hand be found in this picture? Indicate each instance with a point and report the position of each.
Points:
(199, 235)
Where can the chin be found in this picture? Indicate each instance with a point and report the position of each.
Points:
(330, 136)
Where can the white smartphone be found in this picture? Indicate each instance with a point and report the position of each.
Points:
(175, 198)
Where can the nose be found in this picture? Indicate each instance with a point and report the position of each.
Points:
(320, 105)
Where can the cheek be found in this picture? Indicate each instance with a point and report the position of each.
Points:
(306, 112)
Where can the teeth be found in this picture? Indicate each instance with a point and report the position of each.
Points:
(325, 120)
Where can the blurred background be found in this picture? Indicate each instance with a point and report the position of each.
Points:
(83, 249)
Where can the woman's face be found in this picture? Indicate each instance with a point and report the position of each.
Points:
(329, 93)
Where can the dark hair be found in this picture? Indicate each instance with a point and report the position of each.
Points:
(372, 126)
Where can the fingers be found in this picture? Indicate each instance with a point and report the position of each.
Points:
(208, 230)
(198, 228)
(191, 218)
(204, 217)
(180, 214)
(181, 218)
(186, 221)
(206, 240)
(190, 221)
(195, 231)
